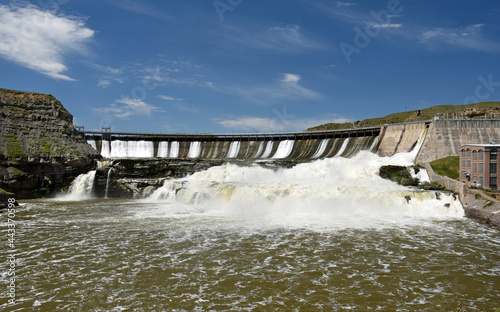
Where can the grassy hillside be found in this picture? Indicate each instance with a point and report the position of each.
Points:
(477, 110)
(448, 167)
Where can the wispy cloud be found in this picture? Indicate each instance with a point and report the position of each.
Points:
(288, 38)
(287, 87)
(140, 8)
(168, 98)
(179, 104)
(345, 4)
(469, 37)
(260, 124)
(39, 39)
(107, 74)
(126, 107)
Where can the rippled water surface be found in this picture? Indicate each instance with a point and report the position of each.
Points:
(116, 255)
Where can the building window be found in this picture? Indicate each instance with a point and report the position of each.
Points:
(468, 163)
(463, 153)
(480, 168)
(468, 152)
(480, 154)
(475, 169)
(475, 155)
(493, 154)
(481, 181)
(493, 182)
(463, 163)
(493, 168)
(475, 179)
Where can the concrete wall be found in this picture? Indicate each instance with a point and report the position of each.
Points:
(451, 184)
(400, 137)
(446, 136)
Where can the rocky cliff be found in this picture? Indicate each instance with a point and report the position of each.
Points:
(40, 150)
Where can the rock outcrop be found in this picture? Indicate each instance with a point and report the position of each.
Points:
(138, 178)
(40, 150)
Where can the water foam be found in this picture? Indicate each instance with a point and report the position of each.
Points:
(329, 191)
(81, 188)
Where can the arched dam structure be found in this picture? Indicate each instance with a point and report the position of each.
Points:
(440, 138)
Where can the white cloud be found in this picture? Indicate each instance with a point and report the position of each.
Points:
(290, 78)
(469, 37)
(276, 124)
(168, 98)
(287, 87)
(39, 39)
(288, 38)
(126, 107)
(104, 84)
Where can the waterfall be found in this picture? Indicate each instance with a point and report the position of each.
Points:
(373, 144)
(268, 150)
(284, 149)
(105, 150)
(259, 150)
(81, 188)
(174, 150)
(162, 149)
(108, 181)
(92, 143)
(330, 190)
(321, 149)
(194, 150)
(234, 148)
(343, 147)
(145, 149)
(119, 149)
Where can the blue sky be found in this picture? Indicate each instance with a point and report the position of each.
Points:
(229, 66)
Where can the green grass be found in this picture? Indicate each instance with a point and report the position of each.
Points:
(448, 166)
(4, 192)
(14, 147)
(425, 114)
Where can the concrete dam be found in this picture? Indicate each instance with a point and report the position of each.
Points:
(441, 138)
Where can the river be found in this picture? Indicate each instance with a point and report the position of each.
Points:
(325, 236)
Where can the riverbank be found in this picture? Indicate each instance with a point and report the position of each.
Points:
(477, 205)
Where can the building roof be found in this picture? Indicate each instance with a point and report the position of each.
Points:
(481, 145)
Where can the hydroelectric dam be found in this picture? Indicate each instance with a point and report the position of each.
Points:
(439, 138)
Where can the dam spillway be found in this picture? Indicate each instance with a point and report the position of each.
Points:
(270, 146)
(441, 138)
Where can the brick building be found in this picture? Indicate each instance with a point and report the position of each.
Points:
(478, 165)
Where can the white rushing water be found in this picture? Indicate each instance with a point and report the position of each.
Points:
(174, 149)
(259, 150)
(334, 190)
(194, 150)
(92, 143)
(234, 149)
(321, 149)
(105, 149)
(284, 149)
(343, 147)
(81, 188)
(162, 150)
(268, 150)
